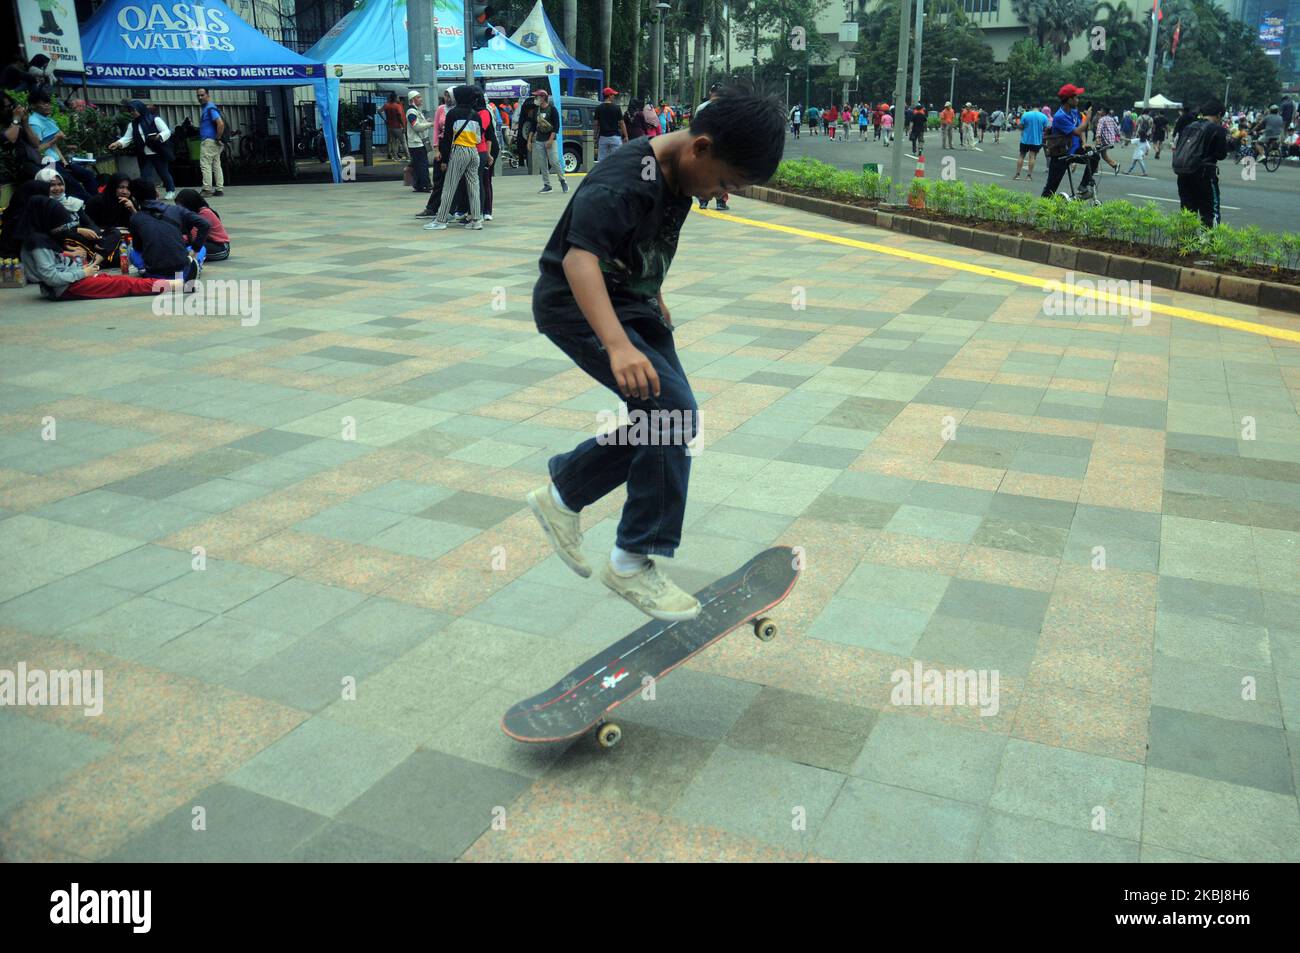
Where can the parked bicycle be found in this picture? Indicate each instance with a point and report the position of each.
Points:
(311, 142)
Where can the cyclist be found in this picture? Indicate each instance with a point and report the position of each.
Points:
(1268, 132)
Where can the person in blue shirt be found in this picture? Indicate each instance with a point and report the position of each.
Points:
(1068, 121)
(1032, 125)
(82, 183)
(212, 130)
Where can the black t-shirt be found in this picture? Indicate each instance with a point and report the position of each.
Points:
(625, 214)
(1161, 124)
(608, 116)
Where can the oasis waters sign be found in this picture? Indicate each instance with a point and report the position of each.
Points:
(175, 26)
(187, 28)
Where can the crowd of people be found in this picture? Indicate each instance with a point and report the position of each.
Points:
(80, 234)
(453, 151)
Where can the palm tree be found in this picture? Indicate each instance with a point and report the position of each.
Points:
(571, 26)
(606, 31)
(1126, 40)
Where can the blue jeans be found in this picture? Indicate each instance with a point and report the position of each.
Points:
(656, 470)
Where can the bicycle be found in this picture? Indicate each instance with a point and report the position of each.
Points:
(1090, 194)
(1273, 155)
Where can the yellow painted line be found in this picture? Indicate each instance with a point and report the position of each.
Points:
(1044, 284)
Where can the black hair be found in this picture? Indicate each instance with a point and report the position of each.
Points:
(1212, 108)
(40, 96)
(748, 131)
(192, 200)
(143, 190)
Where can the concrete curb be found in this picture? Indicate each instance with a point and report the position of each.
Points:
(1266, 294)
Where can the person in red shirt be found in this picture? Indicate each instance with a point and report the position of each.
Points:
(876, 115)
(832, 116)
(395, 121)
(968, 119)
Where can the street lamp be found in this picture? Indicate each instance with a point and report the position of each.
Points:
(787, 89)
(663, 9)
(952, 80)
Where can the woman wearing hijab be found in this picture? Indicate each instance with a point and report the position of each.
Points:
(113, 208)
(95, 239)
(458, 152)
(11, 246)
(147, 135)
(43, 229)
(488, 151)
(634, 119)
(218, 243)
(59, 189)
(651, 120)
(160, 235)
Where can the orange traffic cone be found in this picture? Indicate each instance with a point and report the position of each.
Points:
(916, 194)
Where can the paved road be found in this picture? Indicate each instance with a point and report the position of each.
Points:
(1270, 201)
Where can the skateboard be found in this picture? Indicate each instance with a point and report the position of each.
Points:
(586, 695)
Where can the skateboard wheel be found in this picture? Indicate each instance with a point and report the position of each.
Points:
(765, 629)
(607, 736)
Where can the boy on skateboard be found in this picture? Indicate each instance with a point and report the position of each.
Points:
(598, 299)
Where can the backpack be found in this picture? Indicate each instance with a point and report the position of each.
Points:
(1144, 126)
(1056, 145)
(1191, 149)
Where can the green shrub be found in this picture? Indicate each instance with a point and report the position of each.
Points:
(1114, 221)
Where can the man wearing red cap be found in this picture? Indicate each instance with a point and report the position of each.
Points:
(611, 131)
(1068, 124)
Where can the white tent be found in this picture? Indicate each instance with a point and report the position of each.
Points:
(1157, 102)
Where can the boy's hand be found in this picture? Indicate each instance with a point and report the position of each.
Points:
(633, 371)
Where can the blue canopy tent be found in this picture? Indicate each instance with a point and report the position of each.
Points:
(536, 33)
(371, 44)
(140, 43)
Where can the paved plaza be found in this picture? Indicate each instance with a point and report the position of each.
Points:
(1102, 514)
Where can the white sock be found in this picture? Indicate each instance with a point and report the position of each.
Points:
(625, 563)
(559, 501)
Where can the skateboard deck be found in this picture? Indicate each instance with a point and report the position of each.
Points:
(583, 697)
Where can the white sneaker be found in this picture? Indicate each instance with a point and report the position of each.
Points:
(487, 218)
(653, 593)
(170, 195)
(435, 226)
(561, 529)
(474, 226)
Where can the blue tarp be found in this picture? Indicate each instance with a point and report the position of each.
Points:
(537, 34)
(371, 44)
(138, 44)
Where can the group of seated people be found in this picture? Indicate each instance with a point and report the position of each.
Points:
(72, 248)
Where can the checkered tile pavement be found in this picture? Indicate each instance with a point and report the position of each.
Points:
(1106, 516)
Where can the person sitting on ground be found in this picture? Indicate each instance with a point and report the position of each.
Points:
(112, 208)
(95, 239)
(11, 246)
(218, 243)
(43, 229)
(159, 231)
